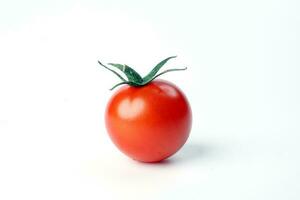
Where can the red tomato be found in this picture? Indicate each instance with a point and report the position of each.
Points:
(149, 123)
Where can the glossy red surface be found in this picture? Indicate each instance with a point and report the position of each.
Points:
(149, 123)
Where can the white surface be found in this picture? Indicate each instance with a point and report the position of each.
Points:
(242, 82)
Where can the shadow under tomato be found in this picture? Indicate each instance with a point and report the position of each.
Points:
(162, 162)
(190, 152)
(195, 151)
(199, 151)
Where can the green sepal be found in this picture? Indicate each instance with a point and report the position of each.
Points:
(130, 73)
(166, 71)
(153, 72)
(123, 79)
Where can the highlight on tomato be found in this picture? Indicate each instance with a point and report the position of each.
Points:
(147, 119)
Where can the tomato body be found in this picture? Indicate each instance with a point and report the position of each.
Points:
(149, 123)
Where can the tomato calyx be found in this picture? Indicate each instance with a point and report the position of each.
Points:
(134, 78)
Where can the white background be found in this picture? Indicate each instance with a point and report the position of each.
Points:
(243, 60)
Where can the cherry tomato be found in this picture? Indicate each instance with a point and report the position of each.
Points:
(149, 123)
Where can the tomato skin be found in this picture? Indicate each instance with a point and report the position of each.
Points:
(149, 123)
